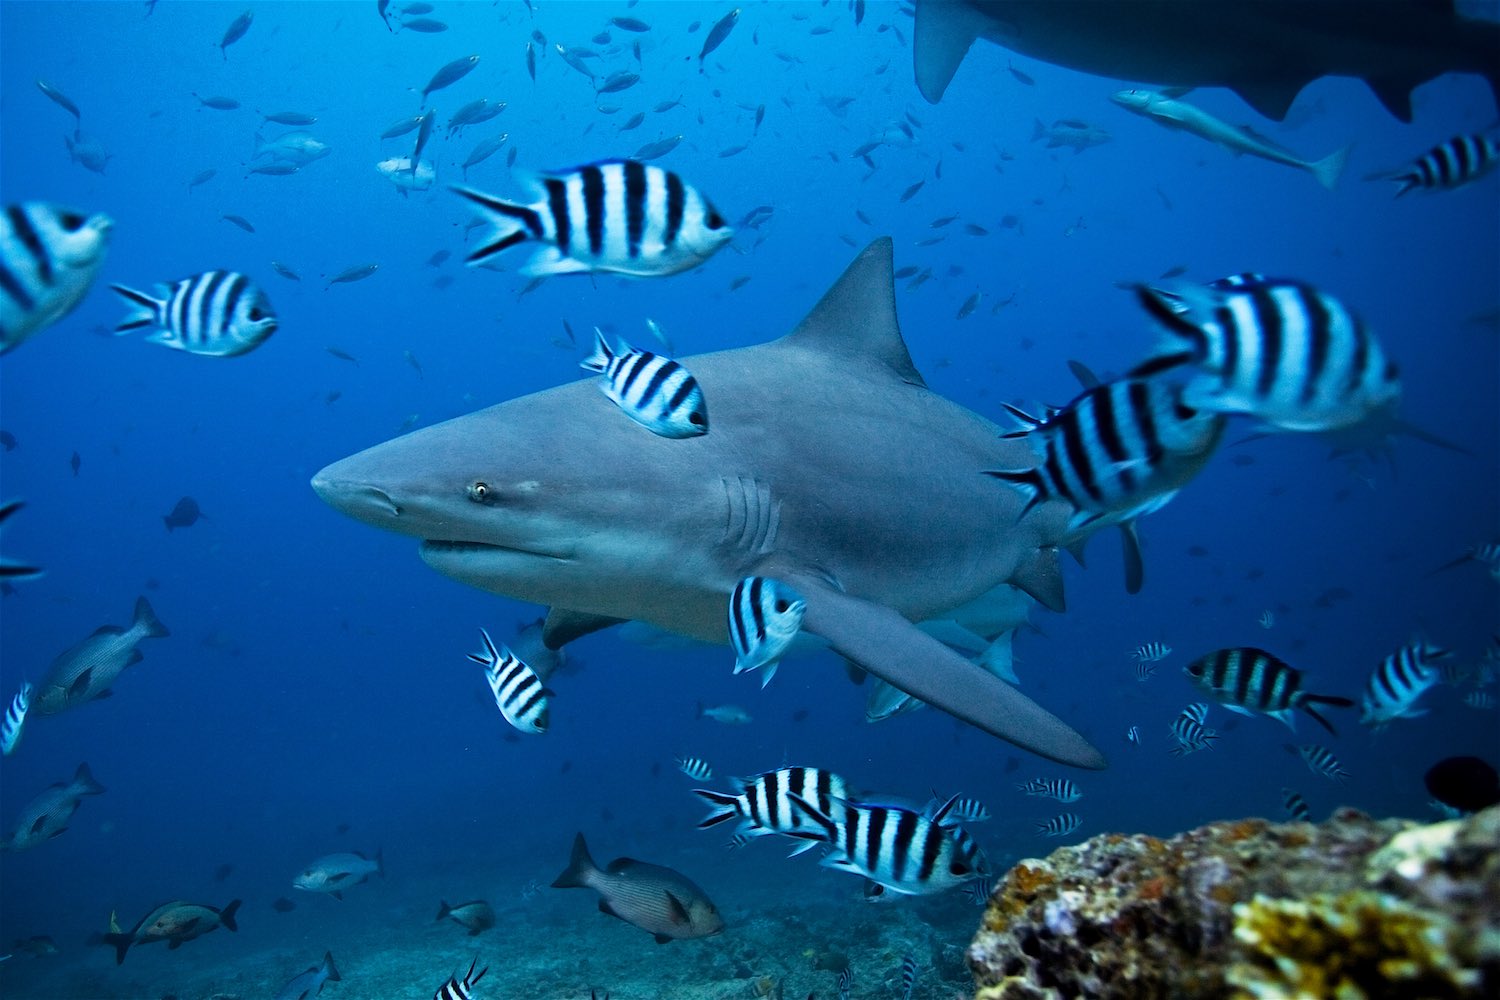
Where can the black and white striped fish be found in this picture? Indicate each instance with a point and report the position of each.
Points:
(1151, 652)
(1059, 826)
(1247, 680)
(1133, 735)
(763, 802)
(654, 391)
(1278, 350)
(764, 616)
(1296, 806)
(964, 809)
(846, 974)
(695, 767)
(908, 976)
(618, 215)
(979, 890)
(456, 989)
(1320, 760)
(217, 313)
(15, 719)
(1116, 453)
(1190, 735)
(1061, 789)
(907, 851)
(1398, 682)
(518, 690)
(1450, 164)
(49, 256)
(1197, 711)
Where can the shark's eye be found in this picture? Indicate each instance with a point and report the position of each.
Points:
(480, 492)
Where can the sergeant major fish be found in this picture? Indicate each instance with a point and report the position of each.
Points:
(47, 815)
(906, 851)
(518, 691)
(49, 256)
(622, 216)
(1059, 826)
(1398, 682)
(85, 671)
(1119, 451)
(15, 720)
(764, 616)
(1249, 680)
(219, 314)
(461, 989)
(1452, 163)
(1279, 350)
(764, 806)
(1062, 789)
(663, 903)
(333, 873)
(655, 392)
(1320, 760)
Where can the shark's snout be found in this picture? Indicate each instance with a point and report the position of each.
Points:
(356, 498)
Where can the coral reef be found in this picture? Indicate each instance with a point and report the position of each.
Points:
(1350, 908)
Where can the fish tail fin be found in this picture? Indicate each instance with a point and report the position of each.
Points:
(1027, 479)
(1038, 130)
(84, 782)
(333, 970)
(147, 622)
(513, 223)
(226, 915)
(380, 861)
(580, 867)
(121, 944)
(147, 311)
(443, 910)
(1324, 699)
(598, 362)
(1170, 310)
(1331, 167)
(726, 807)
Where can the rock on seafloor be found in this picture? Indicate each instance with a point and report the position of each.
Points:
(1350, 908)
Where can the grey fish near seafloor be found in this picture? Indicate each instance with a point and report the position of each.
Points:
(784, 486)
(663, 903)
(86, 671)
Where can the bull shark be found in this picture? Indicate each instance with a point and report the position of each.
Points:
(1266, 51)
(830, 466)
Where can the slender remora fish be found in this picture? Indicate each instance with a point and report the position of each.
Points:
(1172, 113)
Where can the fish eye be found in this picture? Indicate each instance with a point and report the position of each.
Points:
(781, 607)
(481, 492)
(71, 221)
(715, 220)
(1195, 669)
(696, 419)
(257, 314)
(958, 868)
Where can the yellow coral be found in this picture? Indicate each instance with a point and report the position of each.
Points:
(1351, 946)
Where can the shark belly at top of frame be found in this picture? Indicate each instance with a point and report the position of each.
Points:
(830, 465)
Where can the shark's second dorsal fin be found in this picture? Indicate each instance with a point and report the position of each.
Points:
(856, 318)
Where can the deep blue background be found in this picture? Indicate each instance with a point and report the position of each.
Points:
(316, 674)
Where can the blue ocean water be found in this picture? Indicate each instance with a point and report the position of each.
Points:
(314, 695)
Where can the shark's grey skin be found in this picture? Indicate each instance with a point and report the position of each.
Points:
(830, 466)
(1264, 50)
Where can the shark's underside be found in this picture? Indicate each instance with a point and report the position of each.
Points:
(1264, 50)
(830, 465)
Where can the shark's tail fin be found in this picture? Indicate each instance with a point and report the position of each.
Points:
(1329, 168)
(513, 223)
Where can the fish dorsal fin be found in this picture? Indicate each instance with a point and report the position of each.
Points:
(856, 318)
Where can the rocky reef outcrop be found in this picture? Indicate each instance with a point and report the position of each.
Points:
(1349, 908)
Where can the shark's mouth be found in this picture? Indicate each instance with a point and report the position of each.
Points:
(439, 550)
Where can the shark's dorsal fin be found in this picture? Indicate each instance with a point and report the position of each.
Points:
(856, 318)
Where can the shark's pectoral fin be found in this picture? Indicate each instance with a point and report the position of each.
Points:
(1040, 577)
(896, 651)
(563, 626)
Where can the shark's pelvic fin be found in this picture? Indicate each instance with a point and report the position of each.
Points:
(563, 626)
(856, 318)
(1041, 578)
(893, 649)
